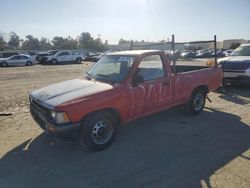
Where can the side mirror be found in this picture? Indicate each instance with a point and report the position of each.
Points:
(137, 79)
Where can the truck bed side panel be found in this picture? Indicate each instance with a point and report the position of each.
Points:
(186, 82)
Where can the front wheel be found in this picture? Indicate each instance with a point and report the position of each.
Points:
(4, 64)
(29, 63)
(196, 102)
(54, 61)
(78, 60)
(98, 130)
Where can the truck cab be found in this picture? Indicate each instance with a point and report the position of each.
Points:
(121, 87)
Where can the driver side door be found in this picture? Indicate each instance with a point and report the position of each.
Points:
(150, 87)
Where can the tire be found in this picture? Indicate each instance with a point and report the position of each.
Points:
(39, 58)
(197, 102)
(98, 130)
(29, 63)
(54, 61)
(5, 64)
(78, 60)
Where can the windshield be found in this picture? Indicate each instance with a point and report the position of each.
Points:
(111, 68)
(241, 51)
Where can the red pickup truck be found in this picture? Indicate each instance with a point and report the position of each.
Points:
(121, 87)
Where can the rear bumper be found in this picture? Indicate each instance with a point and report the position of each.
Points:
(51, 127)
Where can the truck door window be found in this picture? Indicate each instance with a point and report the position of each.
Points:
(151, 68)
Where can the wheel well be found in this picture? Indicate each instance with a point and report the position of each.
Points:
(114, 111)
(203, 87)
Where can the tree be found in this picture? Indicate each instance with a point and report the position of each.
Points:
(64, 43)
(106, 43)
(234, 45)
(45, 44)
(14, 40)
(86, 41)
(122, 41)
(31, 43)
(2, 43)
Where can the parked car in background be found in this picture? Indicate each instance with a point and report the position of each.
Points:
(170, 53)
(101, 55)
(40, 55)
(220, 53)
(188, 55)
(8, 54)
(91, 56)
(204, 54)
(64, 57)
(17, 60)
(236, 67)
(32, 54)
(228, 52)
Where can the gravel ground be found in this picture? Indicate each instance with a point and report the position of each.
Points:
(167, 149)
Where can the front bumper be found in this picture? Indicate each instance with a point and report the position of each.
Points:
(237, 76)
(238, 79)
(49, 126)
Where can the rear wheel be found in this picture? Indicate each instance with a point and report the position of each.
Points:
(4, 64)
(196, 102)
(98, 130)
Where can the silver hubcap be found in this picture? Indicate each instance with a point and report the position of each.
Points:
(198, 102)
(102, 131)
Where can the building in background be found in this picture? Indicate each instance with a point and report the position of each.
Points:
(227, 43)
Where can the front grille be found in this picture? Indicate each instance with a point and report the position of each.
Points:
(40, 108)
(241, 66)
(38, 120)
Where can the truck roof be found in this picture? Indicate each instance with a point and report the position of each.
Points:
(135, 52)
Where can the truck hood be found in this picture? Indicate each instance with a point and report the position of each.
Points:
(59, 93)
(235, 59)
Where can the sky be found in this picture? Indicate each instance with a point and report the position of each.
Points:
(148, 20)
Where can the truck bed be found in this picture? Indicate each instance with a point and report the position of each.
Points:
(187, 68)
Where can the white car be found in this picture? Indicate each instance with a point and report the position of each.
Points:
(17, 60)
(236, 68)
(64, 56)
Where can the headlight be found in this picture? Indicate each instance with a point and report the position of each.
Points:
(60, 117)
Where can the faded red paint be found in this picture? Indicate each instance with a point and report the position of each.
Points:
(146, 98)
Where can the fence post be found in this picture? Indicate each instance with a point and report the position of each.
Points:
(215, 50)
(173, 56)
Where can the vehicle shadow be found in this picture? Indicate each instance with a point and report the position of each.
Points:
(168, 149)
(234, 93)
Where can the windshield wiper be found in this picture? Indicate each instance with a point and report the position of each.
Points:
(89, 76)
